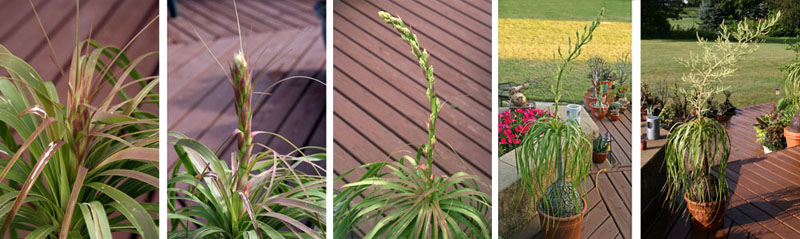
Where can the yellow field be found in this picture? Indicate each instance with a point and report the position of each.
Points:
(537, 39)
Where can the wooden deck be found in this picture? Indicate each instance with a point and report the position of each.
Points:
(766, 190)
(114, 23)
(379, 93)
(215, 19)
(200, 97)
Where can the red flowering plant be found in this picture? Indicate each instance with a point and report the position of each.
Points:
(513, 124)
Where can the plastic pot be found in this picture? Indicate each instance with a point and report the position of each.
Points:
(562, 227)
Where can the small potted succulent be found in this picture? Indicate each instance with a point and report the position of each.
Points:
(600, 148)
(613, 111)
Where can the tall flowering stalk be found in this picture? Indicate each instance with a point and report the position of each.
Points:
(241, 80)
(422, 55)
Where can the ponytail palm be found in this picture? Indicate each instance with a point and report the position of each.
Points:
(261, 194)
(75, 170)
(701, 146)
(552, 160)
(408, 200)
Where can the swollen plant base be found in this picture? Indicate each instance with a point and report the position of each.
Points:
(562, 227)
(706, 217)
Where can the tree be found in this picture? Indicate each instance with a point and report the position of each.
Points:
(655, 15)
(713, 12)
(789, 25)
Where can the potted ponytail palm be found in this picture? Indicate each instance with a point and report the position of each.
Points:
(408, 200)
(697, 151)
(262, 194)
(553, 159)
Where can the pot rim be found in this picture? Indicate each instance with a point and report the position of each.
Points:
(703, 203)
(787, 132)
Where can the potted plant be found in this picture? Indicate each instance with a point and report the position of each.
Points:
(701, 146)
(599, 108)
(260, 192)
(554, 158)
(769, 131)
(613, 111)
(406, 198)
(599, 75)
(792, 86)
(600, 148)
(77, 165)
(792, 132)
(622, 75)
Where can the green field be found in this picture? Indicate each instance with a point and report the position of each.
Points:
(616, 10)
(753, 83)
(688, 19)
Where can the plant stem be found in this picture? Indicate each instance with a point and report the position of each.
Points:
(423, 56)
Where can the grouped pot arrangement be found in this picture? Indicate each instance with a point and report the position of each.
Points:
(697, 151)
(560, 146)
(608, 86)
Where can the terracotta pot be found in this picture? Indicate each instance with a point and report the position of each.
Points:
(613, 115)
(597, 112)
(599, 157)
(562, 227)
(706, 217)
(588, 99)
(792, 138)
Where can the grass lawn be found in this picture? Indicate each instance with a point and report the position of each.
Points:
(753, 83)
(584, 10)
(576, 81)
(688, 19)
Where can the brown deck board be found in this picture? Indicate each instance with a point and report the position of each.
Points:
(216, 19)
(766, 188)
